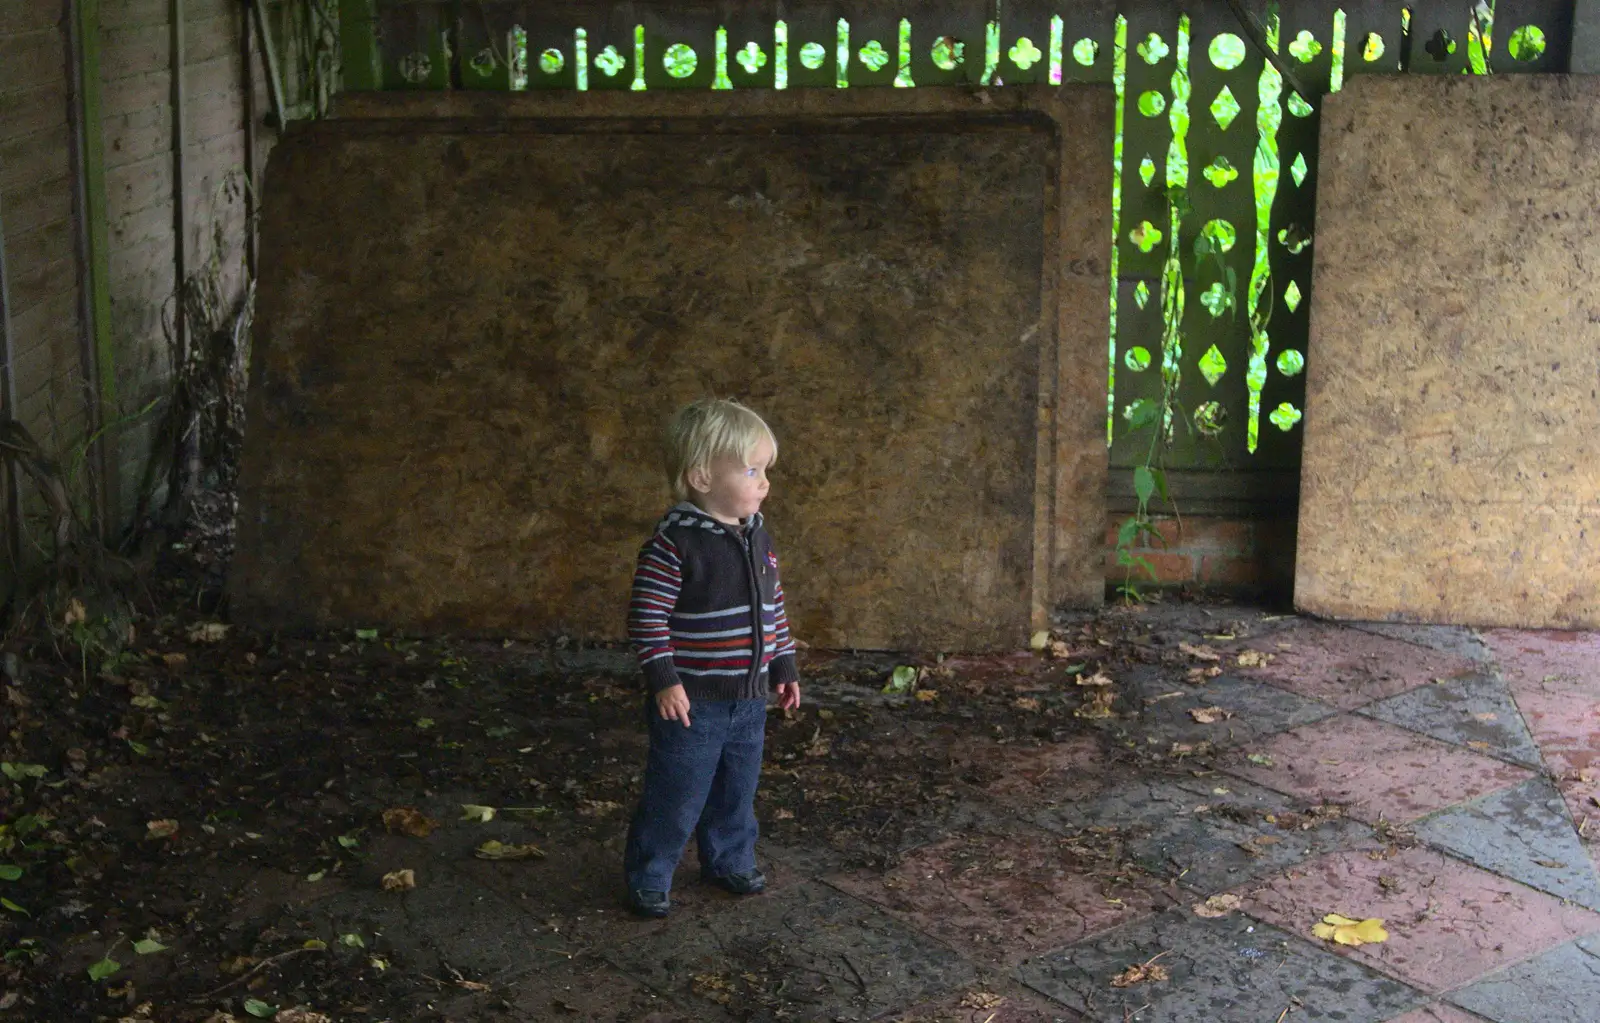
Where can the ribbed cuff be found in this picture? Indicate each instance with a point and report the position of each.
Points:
(783, 670)
(660, 674)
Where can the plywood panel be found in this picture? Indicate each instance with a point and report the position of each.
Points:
(468, 339)
(1452, 454)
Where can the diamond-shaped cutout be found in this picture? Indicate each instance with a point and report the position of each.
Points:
(1213, 365)
(1147, 170)
(1224, 108)
(1141, 294)
(1298, 169)
(1291, 296)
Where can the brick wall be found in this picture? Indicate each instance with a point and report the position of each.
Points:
(1213, 553)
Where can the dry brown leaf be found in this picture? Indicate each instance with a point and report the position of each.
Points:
(160, 829)
(1487, 715)
(982, 1000)
(1217, 906)
(783, 814)
(300, 1014)
(399, 880)
(1098, 705)
(1209, 715)
(597, 807)
(175, 660)
(76, 613)
(1200, 676)
(237, 965)
(1254, 659)
(1141, 973)
(208, 632)
(409, 820)
(1200, 653)
(1027, 703)
(927, 695)
(494, 849)
(1099, 678)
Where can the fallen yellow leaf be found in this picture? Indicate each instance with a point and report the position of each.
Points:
(399, 881)
(160, 829)
(1209, 715)
(1027, 703)
(474, 812)
(1216, 906)
(1099, 678)
(1039, 640)
(927, 695)
(1345, 931)
(497, 850)
(1200, 653)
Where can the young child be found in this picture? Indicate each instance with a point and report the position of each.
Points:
(708, 623)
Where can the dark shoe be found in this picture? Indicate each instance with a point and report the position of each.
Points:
(642, 902)
(747, 882)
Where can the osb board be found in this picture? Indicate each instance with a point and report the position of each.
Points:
(470, 331)
(1452, 450)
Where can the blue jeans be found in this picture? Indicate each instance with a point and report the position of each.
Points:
(700, 779)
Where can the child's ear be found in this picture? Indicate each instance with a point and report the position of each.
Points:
(699, 479)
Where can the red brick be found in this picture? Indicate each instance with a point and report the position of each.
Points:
(1170, 567)
(1229, 570)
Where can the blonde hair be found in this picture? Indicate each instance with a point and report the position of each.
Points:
(706, 430)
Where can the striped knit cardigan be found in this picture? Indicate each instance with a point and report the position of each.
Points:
(707, 609)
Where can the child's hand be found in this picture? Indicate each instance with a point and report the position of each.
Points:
(672, 703)
(788, 695)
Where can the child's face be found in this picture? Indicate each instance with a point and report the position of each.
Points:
(731, 489)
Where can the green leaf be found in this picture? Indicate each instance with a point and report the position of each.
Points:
(352, 941)
(316, 876)
(367, 634)
(7, 903)
(17, 772)
(103, 969)
(1127, 532)
(1144, 483)
(259, 1009)
(1161, 483)
(139, 748)
(349, 841)
(148, 946)
(10, 872)
(902, 680)
(425, 723)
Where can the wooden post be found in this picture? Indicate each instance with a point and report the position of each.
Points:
(246, 36)
(94, 253)
(360, 67)
(8, 391)
(269, 56)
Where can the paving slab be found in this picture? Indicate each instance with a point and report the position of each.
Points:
(1027, 772)
(839, 957)
(1155, 708)
(999, 898)
(1438, 1012)
(1001, 1001)
(1477, 712)
(1555, 677)
(582, 989)
(445, 921)
(1449, 922)
(1561, 986)
(1522, 833)
(1382, 771)
(1346, 667)
(1459, 640)
(1233, 968)
(1209, 833)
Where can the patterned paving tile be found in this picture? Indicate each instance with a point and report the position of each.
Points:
(1232, 968)
(1561, 986)
(1003, 897)
(1555, 677)
(1349, 668)
(1210, 833)
(1450, 639)
(1449, 923)
(1522, 833)
(1381, 770)
(1153, 709)
(1438, 1012)
(1476, 712)
(1028, 772)
(839, 957)
(999, 1002)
